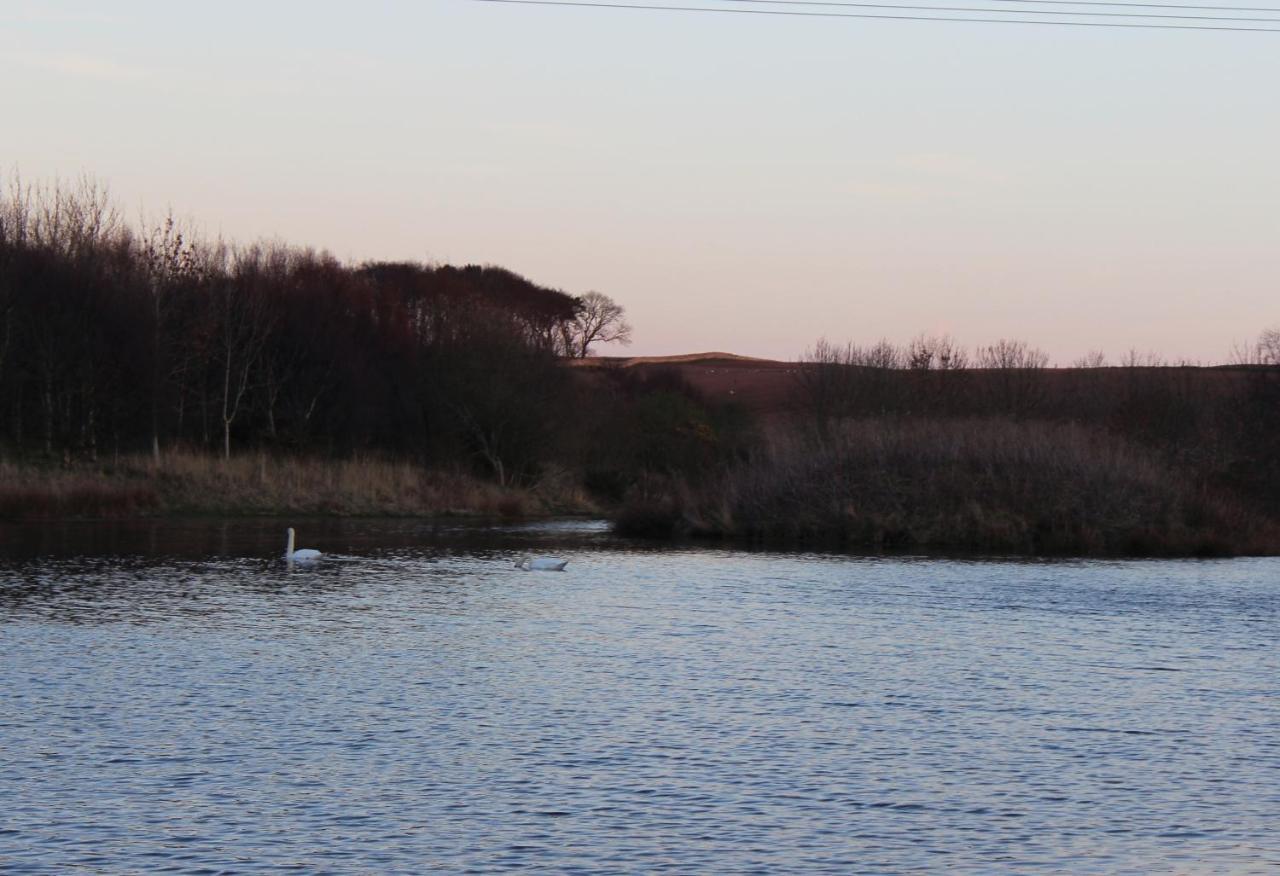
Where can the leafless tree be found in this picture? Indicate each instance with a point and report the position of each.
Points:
(599, 320)
(504, 399)
(1091, 359)
(935, 353)
(825, 381)
(171, 260)
(1017, 386)
(76, 234)
(244, 326)
(1009, 354)
(882, 354)
(73, 220)
(7, 291)
(1269, 346)
(15, 213)
(836, 382)
(1136, 359)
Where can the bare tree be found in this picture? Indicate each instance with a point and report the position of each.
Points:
(244, 326)
(1269, 346)
(935, 353)
(1016, 385)
(9, 242)
(836, 382)
(1007, 354)
(170, 260)
(1091, 359)
(882, 354)
(74, 233)
(6, 323)
(826, 383)
(504, 399)
(920, 354)
(74, 221)
(598, 320)
(1136, 359)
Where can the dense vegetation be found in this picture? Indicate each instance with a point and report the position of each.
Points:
(116, 341)
(145, 370)
(930, 446)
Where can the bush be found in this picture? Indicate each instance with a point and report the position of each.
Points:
(991, 485)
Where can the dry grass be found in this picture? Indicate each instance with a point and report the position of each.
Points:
(989, 485)
(259, 484)
(25, 493)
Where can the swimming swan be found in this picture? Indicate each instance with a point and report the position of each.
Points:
(540, 564)
(306, 555)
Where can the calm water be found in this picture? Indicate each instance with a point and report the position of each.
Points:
(175, 699)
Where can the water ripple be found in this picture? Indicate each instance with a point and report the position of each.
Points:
(415, 704)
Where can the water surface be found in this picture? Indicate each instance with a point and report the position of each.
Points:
(177, 699)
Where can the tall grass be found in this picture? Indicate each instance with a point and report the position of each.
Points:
(27, 493)
(992, 485)
(261, 484)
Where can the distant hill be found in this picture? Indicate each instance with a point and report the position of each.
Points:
(763, 386)
(770, 387)
(682, 359)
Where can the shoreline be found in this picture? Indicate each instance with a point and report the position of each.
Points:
(779, 501)
(184, 484)
(675, 541)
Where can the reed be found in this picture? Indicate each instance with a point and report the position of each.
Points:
(261, 484)
(987, 485)
(31, 494)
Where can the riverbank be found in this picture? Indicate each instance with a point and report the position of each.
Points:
(960, 485)
(264, 485)
(966, 485)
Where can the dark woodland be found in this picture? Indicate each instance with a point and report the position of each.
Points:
(123, 346)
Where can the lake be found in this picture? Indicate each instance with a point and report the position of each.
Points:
(178, 699)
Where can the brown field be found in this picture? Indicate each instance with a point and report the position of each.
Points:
(768, 387)
(762, 386)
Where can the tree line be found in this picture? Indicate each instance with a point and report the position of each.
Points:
(933, 445)
(120, 339)
(1220, 423)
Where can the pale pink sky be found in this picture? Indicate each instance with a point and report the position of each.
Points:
(737, 183)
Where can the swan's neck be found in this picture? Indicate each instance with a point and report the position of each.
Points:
(288, 551)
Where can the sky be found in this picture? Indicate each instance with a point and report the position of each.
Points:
(745, 183)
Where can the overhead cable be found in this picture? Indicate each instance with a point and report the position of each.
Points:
(585, 4)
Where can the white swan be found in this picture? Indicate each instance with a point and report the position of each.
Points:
(540, 564)
(306, 555)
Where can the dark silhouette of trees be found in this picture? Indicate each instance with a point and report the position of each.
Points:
(598, 319)
(243, 325)
(171, 266)
(1016, 384)
(157, 339)
(837, 382)
(114, 341)
(504, 401)
(68, 310)
(1219, 425)
(935, 353)
(1269, 346)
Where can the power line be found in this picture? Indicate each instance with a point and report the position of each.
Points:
(1272, 9)
(1148, 5)
(860, 5)
(880, 16)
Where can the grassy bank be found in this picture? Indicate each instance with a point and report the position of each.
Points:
(259, 484)
(986, 485)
